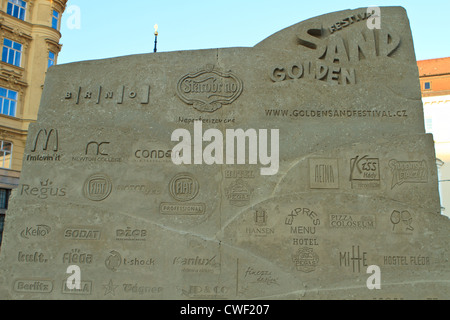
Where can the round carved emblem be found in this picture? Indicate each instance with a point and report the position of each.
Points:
(184, 187)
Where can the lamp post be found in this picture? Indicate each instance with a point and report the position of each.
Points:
(156, 37)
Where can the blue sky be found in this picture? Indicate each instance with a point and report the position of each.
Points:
(110, 28)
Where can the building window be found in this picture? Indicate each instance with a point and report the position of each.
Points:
(2, 223)
(51, 59)
(55, 20)
(5, 157)
(8, 102)
(427, 86)
(4, 197)
(17, 8)
(12, 52)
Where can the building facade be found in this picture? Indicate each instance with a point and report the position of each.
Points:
(435, 83)
(30, 40)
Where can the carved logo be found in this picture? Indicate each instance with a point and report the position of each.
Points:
(324, 174)
(37, 231)
(113, 261)
(44, 191)
(82, 234)
(260, 216)
(208, 89)
(98, 148)
(46, 136)
(85, 288)
(305, 260)
(365, 172)
(33, 286)
(110, 288)
(408, 172)
(184, 187)
(97, 187)
(401, 221)
(239, 193)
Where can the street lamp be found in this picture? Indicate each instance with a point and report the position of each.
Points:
(156, 37)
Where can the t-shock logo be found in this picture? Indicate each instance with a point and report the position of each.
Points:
(213, 153)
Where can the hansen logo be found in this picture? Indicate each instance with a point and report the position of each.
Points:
(207, 90)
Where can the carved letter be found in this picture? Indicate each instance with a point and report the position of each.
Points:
(389, 42)
(311, 38)
(360, 46)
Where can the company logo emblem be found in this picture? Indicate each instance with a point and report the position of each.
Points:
(408, 172)
(365, 172)
(131, 235)
(44, 191)
(208, 90)
(324, 174)
(85, 288)
(239, 193)
(401, 221)
(97, 148)
(305, 260)
(97, 187)
(184, 187)
(260, 216)
(33, 286)
(110, 288)
(82, 234)
(46, 136)
(114, 261)
(37, 231)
